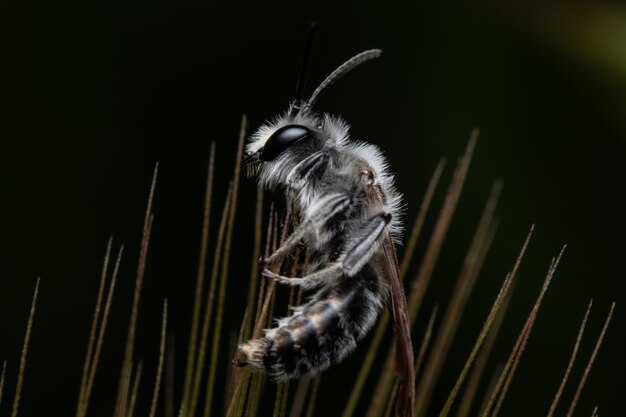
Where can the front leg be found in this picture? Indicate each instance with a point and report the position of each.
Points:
(321, 212)
(356, 256)
(307, 170)
(314, 280)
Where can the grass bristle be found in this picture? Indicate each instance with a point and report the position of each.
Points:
(497, 305)
(419, 359)
(422, 279)
(314, 393)
(570, 365)
(92, 333)
(124, 383)
(95, 359)
(480, 363)
(157, 383)
(20, 375)
(254, 269)
(513, 361)
(135, 390)
(2, 377)
(465, 283)
(299, 398)
(583, 379)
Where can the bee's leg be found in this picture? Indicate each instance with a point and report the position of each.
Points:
(356, 257)
(309, 281)
(306, 169)
(327, 208)
(361, 252)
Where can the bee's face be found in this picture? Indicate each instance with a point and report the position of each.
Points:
(276, 146)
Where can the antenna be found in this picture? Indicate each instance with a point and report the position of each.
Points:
(342, 70)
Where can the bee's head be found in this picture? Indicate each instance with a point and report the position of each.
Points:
(278, 146)
(276, 141)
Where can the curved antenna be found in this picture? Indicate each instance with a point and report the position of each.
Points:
(304, 68)
(342, 70)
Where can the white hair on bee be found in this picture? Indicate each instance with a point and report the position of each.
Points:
(345, 203)
(380, 169)
(332, 129)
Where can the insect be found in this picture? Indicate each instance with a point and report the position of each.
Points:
(348, 217)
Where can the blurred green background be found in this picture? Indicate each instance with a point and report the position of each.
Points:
(94, 93)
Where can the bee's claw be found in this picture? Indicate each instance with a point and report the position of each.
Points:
(278, 278)
(239, 363)
(269, 274)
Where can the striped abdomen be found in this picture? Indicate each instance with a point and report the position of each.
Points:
(322, 331)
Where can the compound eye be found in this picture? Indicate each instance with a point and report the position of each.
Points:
(282, 139)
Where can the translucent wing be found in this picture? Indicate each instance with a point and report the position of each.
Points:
(401, 331)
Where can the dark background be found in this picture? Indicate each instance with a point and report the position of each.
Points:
(94, 93)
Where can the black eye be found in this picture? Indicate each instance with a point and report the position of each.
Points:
(282, 139)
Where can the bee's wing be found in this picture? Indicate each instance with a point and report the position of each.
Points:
(401, 331)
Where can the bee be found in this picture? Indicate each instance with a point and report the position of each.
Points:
(348, 217)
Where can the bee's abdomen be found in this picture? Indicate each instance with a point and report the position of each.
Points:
(321, 332)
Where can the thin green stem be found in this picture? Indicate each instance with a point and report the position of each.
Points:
(92, 333)
(124, 384)
(101, 332)
(135, 390)
(4, 372)
(570, 365)
(465, 283)
(314, 392)
(159, 374)
(513, 359)
(581, 384)
(20, 375)
(481, 361)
